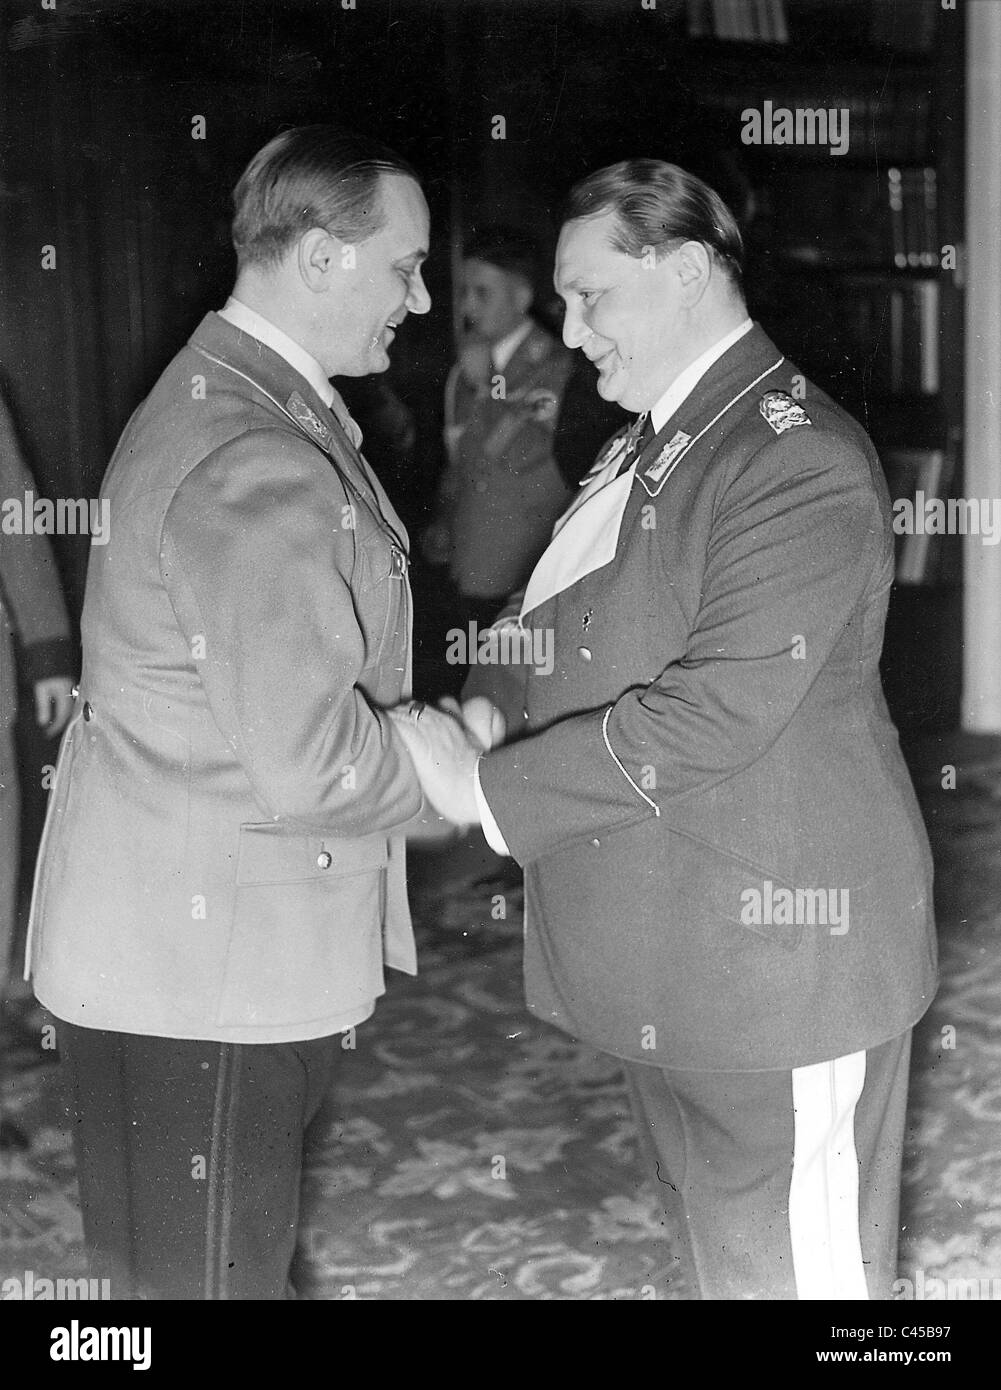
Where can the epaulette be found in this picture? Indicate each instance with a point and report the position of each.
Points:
(781, 412)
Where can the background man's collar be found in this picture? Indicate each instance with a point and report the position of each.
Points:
(682, 386)
(250, 321)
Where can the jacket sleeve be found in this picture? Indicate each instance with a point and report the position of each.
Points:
(258, 566)
(796, 540)
(29, 582)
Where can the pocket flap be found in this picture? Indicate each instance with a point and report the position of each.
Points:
(269, 854)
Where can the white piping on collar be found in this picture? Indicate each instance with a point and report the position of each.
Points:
(654, 491)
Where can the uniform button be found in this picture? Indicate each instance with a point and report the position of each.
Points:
(324, 859)
(596, 843)
(584, 653)
(88, 711)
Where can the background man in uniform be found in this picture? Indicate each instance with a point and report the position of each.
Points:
(501, 490)
(728, 884)
(31, 604)
(221, 884)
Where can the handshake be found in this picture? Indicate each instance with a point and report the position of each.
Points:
(444, 745)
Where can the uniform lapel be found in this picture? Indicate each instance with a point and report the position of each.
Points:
(728, 381)
(260, 367)
(586, 538)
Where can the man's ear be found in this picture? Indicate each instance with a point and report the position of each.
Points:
(319, 257)
(694, 267)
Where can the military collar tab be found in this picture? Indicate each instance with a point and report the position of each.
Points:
(309, 421)
(294, 409)
(655, 475)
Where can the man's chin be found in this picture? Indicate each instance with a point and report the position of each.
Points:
(378, 361)
(610, 387)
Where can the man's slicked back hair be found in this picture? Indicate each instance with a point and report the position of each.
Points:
(659, 205)
(311, 176)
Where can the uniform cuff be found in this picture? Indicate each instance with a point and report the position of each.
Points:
(491, 830)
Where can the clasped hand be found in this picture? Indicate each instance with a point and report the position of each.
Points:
(444, 745)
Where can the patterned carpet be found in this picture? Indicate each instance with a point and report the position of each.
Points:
(474, 1153)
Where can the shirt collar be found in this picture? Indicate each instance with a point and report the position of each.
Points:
(503, 350)
(682, 386)
(250, 321)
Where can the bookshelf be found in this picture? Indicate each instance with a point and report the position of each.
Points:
(846, 263)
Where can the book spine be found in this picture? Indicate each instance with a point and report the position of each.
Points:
(928, 291)
(895, 194)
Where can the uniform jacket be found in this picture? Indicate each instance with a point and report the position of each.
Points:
(501, 490)
(31, 600)
(218, 860)
(713, 736)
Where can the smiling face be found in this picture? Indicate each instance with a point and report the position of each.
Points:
(377, 282)
(631, 315)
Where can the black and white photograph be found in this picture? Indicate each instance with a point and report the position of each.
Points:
(500, 661)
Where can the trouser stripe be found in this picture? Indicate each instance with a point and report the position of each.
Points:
(824, 1189)
(220, 1178)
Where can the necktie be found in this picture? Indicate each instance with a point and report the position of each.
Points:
(640, 434)
(345, 419)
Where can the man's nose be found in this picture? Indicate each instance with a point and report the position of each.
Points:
(575, 330)
(418, 299)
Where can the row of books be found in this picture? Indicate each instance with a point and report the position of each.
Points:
(903, 25)
(894, 125)
(909, 344)
(853, 217)
(863, 336)
(753, 21)
(913, 200)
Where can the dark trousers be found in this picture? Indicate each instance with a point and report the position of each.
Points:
(779, 1184)
(189, 1158)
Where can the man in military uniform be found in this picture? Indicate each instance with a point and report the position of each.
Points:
(728, 884)
(221, 881)
(31, 604)
(502, 489)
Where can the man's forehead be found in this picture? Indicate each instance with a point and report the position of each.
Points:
(584, 247)
(407, 217)
(474, 267)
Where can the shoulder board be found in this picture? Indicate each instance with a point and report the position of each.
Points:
(781, 412)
